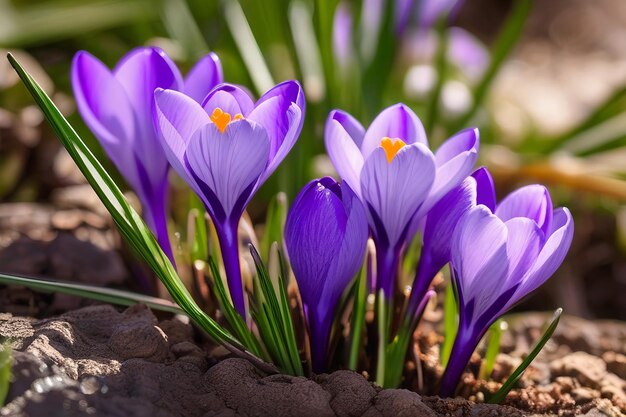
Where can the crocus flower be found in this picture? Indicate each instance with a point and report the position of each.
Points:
(440, 224)
(396, 176)
(325, 235)
(499, 257)
(225, 148)
(118, 105)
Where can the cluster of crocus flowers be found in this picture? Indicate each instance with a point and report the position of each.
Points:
(118, 107)
(325, 236)
(225, 148)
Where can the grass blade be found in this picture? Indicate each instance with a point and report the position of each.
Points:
(274, 224)
(450, 314)
(358, 318)
(130, 224)
(493, 348)
(6, 363)
(106, 295)
(519, 371)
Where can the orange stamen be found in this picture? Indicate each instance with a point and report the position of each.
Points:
(391, 147)
(220, 118)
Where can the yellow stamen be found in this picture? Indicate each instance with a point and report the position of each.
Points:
(221, 119)
(391, 147)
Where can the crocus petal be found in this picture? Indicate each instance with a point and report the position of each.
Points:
(551, 256)
(394, 191)
(105, 107)
(230, 98)
(403, 10)
(342, 35)
(203, 77)
(431, 10)
(177, 117)
(485, 188)
(395, 122)
(524, 241)
(229, 163)
(274, 112)
(343, 151)
(479, 258)
(349, 259)
(442, 221)
(350, 125)
(455, 159)
(532, 201)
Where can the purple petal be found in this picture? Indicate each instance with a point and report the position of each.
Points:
(532, 201)
(229, 162)
(403, 10)
(468, 53)
(350, 125)
(343, 151)
(230, 98)
(177, 118)
(524, 241)
(442, 220)
(485, 188)
(455, 159)
(431, 10)
(551, 256)
(479, 258)
(104, 105)
(394, 191)
(395, 122)
(281, 112)
(203, 77)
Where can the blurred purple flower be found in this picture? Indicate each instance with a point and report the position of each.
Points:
(225, 149)
(498, 258)
(118, 105)
(394, 173)
(440, 224)
(325, 235)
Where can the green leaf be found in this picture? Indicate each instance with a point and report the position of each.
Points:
(233, 318)
(493, 348)
(131, 226)
(272, 314)
(450, 320)
(197, 230)
(6, 362)
(358, 318)
(106, 295)
(508, 385)
(507, 39)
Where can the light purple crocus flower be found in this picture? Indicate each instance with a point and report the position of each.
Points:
(325, 235)
(118, 105)
(440, 224)
(225, 149)
(499, 257)
(394, 173)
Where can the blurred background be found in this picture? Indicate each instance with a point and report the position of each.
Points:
(544, 81)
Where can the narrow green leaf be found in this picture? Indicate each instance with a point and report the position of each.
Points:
(197, 230)
(6, 363)
(358, 318)
(507, 39)
(106, 295)
(182, 27)
(508, 385)
(450, 320)
(233, 318)
(131, 226)
(493, 348)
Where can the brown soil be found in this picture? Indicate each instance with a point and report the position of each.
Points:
(98, 361)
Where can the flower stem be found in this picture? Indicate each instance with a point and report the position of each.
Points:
(229, 246)
(155, 216)
(464, 344)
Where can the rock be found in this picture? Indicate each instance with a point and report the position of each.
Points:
(589, 370)
(615, 363)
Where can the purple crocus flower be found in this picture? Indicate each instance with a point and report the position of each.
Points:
(225, 148)
(325, 234)
(498, 258)
(394, 173)
(440, 224)
(118, 105)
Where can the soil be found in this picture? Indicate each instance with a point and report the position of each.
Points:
(103, 362)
